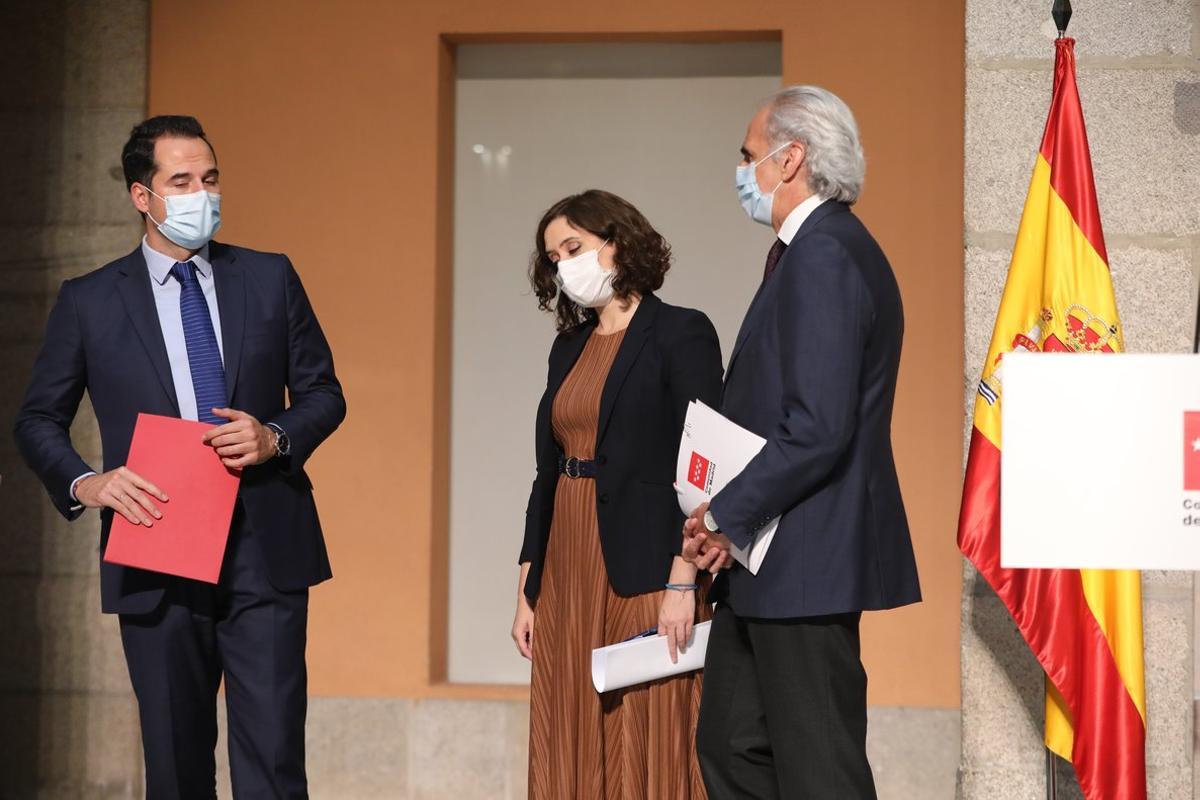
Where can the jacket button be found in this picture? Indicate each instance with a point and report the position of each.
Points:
(603, 499)
(602, 460)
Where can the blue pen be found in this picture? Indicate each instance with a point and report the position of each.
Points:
(643, 634)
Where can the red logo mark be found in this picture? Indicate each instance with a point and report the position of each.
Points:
(698, 471)
(1191, 451)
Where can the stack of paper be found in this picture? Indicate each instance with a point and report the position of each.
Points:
(712, 452)
(646, 659)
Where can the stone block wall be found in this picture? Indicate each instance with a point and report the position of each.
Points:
(1139, 80)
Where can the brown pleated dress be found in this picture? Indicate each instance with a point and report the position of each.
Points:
(631, 744)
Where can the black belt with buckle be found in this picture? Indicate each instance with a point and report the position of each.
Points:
(576, 468)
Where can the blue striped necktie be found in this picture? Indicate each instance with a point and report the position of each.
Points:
(204, 357)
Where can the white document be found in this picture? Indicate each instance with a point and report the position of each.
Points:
(1100, 461)
(712, 452)
(646, 659)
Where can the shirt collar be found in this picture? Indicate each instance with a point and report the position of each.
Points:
(791, 225)
(160, 265)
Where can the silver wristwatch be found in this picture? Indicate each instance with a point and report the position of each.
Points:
(283, 444)
(710, 522)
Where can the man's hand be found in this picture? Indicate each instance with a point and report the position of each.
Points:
(241, 442)
(125, 492)
(708, 551)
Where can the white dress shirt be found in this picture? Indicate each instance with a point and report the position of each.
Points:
(793, 221)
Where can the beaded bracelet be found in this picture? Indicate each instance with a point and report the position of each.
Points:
(683, 587)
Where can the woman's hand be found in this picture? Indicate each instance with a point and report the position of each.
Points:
(522, 630)
(676, 615)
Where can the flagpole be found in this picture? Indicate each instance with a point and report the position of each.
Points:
(1061, 12)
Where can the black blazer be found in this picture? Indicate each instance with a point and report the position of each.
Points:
(103, 336)
(814, 372)
(669, 357)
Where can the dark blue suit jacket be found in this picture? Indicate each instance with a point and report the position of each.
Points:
(103, 336)
(814, 372)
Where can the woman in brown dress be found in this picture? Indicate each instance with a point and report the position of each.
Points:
(600, 561)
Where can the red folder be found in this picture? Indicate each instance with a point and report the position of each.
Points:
(189, 540)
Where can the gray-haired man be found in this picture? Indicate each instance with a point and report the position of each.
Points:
(784, 713)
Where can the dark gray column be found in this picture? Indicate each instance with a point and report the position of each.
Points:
(74, 84)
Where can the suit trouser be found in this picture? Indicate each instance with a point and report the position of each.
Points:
(246, 631)
(784, 710)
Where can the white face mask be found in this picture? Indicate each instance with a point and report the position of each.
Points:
(192, 219)
(586, 282)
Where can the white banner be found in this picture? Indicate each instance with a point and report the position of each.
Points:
(1100, 461)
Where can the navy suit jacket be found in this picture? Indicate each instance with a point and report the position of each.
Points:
(103, 336)
(814, 373)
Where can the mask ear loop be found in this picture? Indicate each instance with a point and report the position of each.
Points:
(764, 158)
(773, 152)
(156, 194)
(607, 242)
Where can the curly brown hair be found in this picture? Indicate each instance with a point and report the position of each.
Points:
(641, 256)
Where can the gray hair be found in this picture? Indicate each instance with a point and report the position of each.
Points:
(824, 124)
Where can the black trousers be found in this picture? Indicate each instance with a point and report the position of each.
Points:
(784, 710)
(254, 636)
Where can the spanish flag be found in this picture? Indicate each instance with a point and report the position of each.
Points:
(1084, 626)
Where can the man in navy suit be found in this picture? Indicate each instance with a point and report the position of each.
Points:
(813, 371)
(186, 327)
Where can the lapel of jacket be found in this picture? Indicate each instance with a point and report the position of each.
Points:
(748, 323)
(560, 367)
(231, 303)
(138, 298)
(635, 338)
(754, 314)
(567, 358)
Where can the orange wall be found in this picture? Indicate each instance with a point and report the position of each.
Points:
(333, 123)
